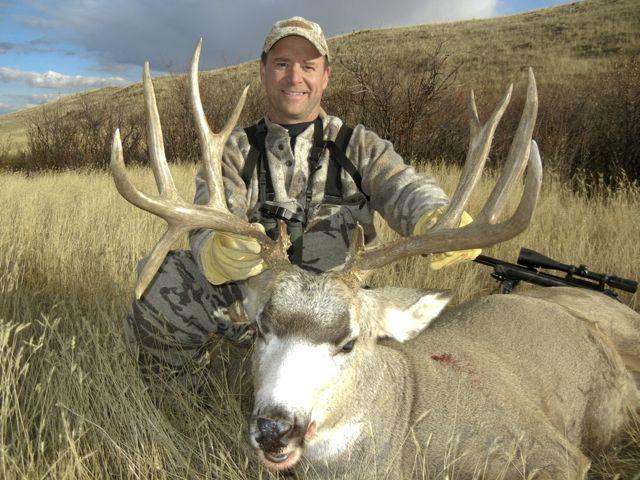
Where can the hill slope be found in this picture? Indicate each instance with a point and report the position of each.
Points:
(564, 44)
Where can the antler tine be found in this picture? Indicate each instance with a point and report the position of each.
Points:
(210, 143)
(519, 221)
(155, 259)
(480, 139)
(356, 246)
(124, 185)
(474, 121)
(481, 233)
(517, 157)
(161, 172)
(354, 276)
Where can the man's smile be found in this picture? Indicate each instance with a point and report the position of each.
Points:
(293, 94)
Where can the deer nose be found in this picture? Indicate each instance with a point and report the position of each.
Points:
(273, 429)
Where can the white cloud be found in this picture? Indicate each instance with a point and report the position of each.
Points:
(53, 79)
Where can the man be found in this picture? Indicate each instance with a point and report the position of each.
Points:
(299, 164)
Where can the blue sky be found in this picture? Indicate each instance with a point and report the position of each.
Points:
(48, 49)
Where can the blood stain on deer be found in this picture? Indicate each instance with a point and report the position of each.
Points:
(461, 366)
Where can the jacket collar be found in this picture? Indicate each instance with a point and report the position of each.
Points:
(307, 134)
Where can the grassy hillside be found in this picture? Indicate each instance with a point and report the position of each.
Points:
(562, 43)
(565, 44)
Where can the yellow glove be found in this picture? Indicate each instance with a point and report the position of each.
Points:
(439, 260)
(228, 257)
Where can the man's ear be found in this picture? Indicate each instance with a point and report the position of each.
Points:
(262, 71)
(402, 313)
(325, 75)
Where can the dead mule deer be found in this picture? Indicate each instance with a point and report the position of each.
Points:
(351, 383)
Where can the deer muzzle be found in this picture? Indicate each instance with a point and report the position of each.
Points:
(278, 437)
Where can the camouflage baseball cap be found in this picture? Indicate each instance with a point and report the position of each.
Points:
(297, 26)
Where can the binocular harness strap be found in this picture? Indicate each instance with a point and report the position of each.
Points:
(333, 186)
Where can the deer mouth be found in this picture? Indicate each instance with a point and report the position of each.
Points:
(283, 454)
(279, 461)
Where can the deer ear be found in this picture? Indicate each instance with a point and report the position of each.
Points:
(256, 293)
(403, 312)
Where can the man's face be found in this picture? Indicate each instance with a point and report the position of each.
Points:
(294, 77)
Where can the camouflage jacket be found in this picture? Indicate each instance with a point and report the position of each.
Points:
(396, 191)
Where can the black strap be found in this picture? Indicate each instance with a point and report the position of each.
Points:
(257, 134)
(333, 185)
(254, 150)
(338, 161)
(318, 145)
(314, 160)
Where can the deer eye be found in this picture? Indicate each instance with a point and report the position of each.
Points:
(347, 347)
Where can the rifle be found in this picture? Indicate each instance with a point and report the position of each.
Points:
(530, 262)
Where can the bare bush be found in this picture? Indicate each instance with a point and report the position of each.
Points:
(6, 145)
(592, 129)
(588, 129)
(6, 156)
(398, 102)
(60, 140)
(79, 139)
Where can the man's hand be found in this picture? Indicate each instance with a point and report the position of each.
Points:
(228, 257)
(440, 260)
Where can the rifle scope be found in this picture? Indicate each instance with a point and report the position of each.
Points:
(532, 259)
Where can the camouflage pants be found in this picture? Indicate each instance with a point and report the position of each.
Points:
(169, 327)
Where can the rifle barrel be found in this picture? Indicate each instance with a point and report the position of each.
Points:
(623, 284)
(531, 274)
(534, 260)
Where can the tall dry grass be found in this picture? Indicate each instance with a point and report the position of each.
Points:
(72, 404)
(598, 227)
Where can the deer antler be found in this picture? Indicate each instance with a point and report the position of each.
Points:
(182, 216)
(483, 231)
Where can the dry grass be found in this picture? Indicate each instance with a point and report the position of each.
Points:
(72, 404)
(599, 229)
